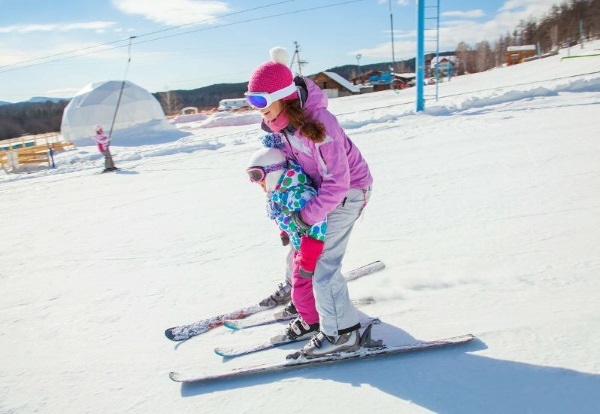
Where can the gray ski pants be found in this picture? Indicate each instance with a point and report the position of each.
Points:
(336, 311)
(108, 161)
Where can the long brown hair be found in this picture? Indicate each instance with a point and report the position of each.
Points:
(314, 130)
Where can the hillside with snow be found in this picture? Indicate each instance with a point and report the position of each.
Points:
(485, 210)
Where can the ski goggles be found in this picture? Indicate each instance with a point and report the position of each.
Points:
(260, 100)
(258, 174)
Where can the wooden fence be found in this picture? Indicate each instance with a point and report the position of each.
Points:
(31, 149)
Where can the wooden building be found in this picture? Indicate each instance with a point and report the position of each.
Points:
(517, 54)
(443, 64)
(366, 77)
(335, 85)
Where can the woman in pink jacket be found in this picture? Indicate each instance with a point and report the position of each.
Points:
(312, 136)
(103, 142)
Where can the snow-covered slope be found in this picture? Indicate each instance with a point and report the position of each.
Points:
(486, 211)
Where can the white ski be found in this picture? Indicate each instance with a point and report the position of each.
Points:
(183, 332)
(371, 349)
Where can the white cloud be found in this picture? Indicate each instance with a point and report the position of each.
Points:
(514, 11)
(61, 93)
(402, 50)
(512, 5)
(456, 27)
(528, 8)
(398, 2)
(27, 56)
(30, 28)
(470, 14)
(174, 12)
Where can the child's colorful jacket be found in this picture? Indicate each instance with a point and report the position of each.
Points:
(102, 140)
(291, 194)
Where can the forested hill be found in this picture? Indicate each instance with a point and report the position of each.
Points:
(37, 117)
(30, 118)
(209, 96)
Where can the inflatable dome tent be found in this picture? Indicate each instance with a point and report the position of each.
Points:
(96, 104)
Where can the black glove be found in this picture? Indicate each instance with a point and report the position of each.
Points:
(285, 239)
(300, 224)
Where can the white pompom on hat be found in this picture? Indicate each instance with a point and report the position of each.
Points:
(279, 55)
(274, 75)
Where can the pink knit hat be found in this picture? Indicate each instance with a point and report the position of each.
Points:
(274, 75)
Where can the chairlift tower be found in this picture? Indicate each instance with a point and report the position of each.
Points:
(428, 11)
(296, 57)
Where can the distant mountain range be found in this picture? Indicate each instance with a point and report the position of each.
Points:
(37, 99)
(45, 99)
(16, 119)
(209, 96)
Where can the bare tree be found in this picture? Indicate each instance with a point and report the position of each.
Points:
(484, 59)
(169, 102)
(463, 54)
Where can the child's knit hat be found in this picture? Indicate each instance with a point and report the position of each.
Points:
(265, 157)
(274, 75)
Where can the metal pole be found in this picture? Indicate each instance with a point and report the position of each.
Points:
(392, 28)
(420, 54)
(112, 125)
(52, 165)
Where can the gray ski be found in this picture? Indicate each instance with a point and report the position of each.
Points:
(371, 349)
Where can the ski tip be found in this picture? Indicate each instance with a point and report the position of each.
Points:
(222, 352)
(175, 376)
(374, 265)
(175, 336)
(231, 324)
(460, 339)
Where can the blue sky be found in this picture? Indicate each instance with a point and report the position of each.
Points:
(54, 48)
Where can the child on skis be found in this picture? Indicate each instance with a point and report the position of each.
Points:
(288, 189)
(103, 142)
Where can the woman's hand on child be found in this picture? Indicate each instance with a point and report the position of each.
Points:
(299, 222)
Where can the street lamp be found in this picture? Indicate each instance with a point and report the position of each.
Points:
(358, 64)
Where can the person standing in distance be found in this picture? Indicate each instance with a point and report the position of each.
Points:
(103, 142)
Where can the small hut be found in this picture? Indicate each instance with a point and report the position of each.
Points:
(517, 54)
